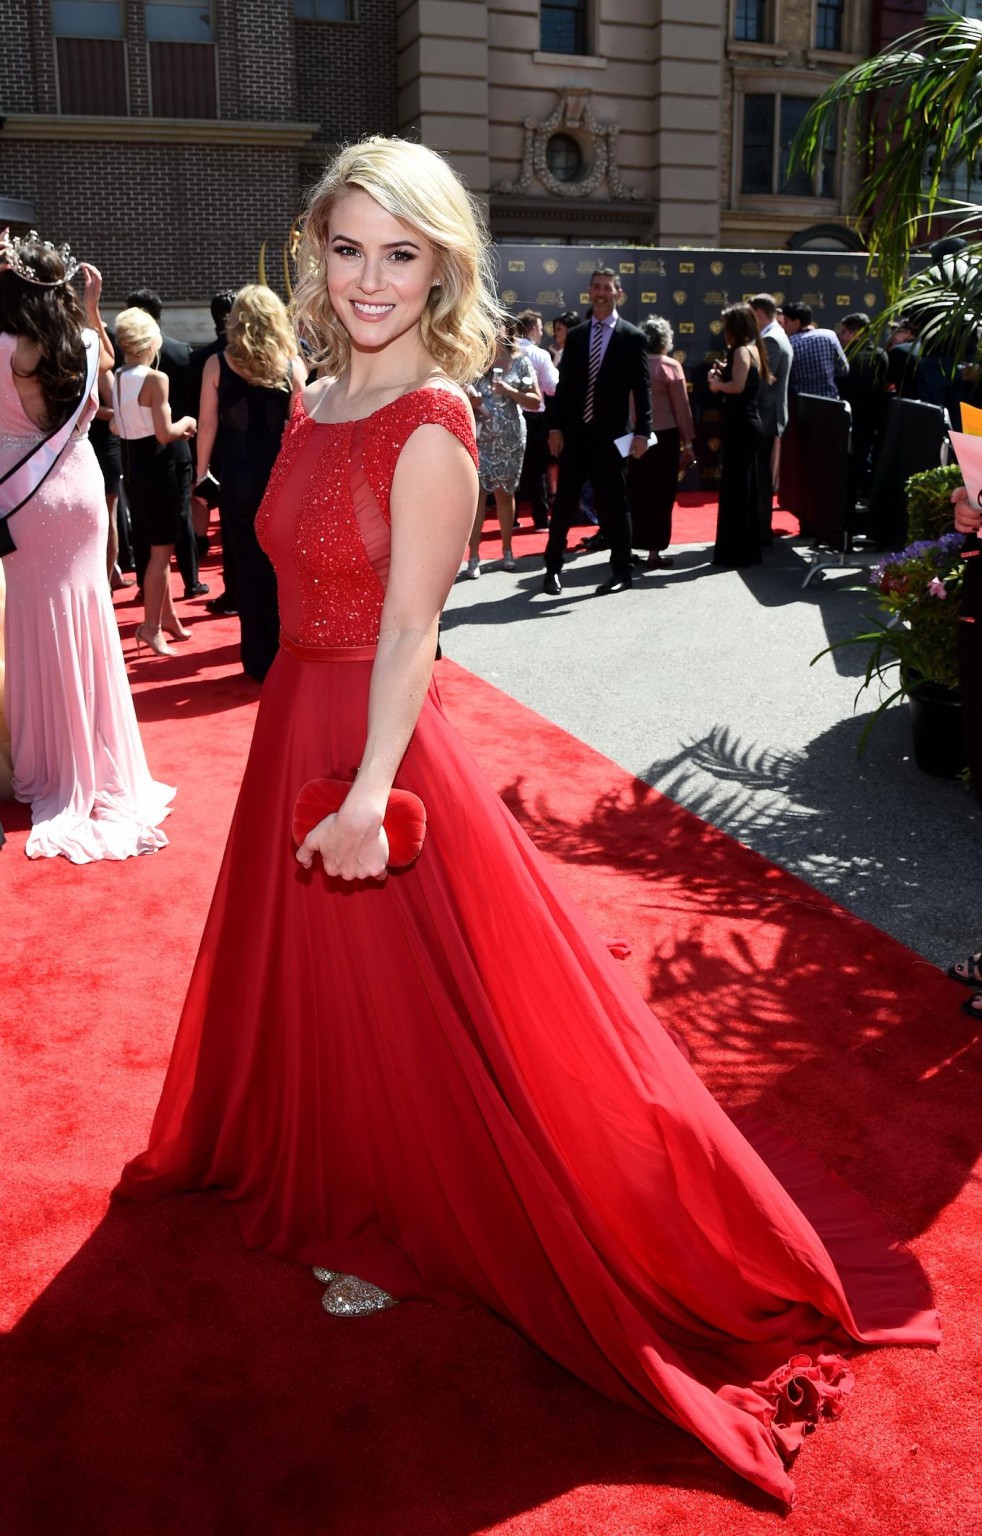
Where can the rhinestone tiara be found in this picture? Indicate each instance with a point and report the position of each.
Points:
(11, 258)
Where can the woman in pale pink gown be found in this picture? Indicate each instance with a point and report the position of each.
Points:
(77, 755)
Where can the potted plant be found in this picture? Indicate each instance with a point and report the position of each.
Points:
(913, 647)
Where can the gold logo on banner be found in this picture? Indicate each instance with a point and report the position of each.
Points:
(679, 296)
(869, 299)
(584, 298)
(549, 296)
(625, 266)
(716, 267)
(847, 269)
(551, 265)
(753, 269)
(509, 296)
(714, 296)
(843, 300)
(778, 298)
(687, 266)
(516, 266)
(649, 298)
(716, 326)
(714, 445)
(680, 358)
(585, 266)
(783, 270)
(813, 269)
(653, 268)
(686, 328)
(816, 300)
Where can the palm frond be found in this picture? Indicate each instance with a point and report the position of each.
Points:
(921, 102)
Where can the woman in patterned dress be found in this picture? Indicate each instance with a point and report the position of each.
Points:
(507, 390)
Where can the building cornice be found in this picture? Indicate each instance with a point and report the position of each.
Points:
(586, 217)
(156, 130)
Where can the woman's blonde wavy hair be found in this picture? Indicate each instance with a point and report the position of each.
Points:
(462, 315)
(260, 338)
(137, 332)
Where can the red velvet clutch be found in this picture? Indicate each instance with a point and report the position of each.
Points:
(404, 823)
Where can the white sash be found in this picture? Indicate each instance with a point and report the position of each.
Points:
(26, 477)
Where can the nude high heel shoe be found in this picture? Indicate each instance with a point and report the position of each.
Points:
(153, 642)
(177, 630)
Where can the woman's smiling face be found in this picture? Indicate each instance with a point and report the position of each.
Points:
(379, 271)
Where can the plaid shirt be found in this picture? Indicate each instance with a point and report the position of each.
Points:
(818, 361)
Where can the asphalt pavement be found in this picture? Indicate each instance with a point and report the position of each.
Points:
(699, 681)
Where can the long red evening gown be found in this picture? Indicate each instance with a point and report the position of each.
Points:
(444, 1085)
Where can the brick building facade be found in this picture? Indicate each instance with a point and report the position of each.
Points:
(211, 143)
(166, 139)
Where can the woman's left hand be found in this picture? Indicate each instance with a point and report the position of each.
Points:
(352, 844)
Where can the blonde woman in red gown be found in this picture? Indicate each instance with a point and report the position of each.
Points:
(360, 1068)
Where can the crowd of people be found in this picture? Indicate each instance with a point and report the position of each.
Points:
(588, 421)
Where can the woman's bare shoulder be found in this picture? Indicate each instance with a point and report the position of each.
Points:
(312, 395)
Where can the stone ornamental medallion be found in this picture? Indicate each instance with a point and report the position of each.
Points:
(596, 140)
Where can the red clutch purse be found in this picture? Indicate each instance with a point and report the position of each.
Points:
(404, 822)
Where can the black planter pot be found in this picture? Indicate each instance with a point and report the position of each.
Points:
(936, 723)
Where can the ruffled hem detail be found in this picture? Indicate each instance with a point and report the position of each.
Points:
(798, 1395)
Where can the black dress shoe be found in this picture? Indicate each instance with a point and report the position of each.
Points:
(615, 584)
(198, 590)
(551, 584)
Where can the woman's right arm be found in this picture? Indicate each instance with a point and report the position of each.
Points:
(207, 417)
(155, 393)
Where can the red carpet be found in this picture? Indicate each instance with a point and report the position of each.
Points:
(158, 1380)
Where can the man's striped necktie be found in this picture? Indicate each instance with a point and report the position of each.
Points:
(596, 352)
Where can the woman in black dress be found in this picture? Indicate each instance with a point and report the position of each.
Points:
(148, 431)
(249, 388)
(737, 381)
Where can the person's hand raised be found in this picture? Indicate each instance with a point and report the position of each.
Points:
(93, 285)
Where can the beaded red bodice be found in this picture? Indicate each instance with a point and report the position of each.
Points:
(324, 521)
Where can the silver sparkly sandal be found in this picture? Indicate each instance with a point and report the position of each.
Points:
(327, 1276)
(347, 1296)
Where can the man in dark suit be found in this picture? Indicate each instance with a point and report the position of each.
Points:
(174, 360)
(604, 369)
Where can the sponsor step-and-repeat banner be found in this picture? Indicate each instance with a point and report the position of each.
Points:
(689, 289)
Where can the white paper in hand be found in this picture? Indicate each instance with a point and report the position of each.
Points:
(623, 444)
(968, 452)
